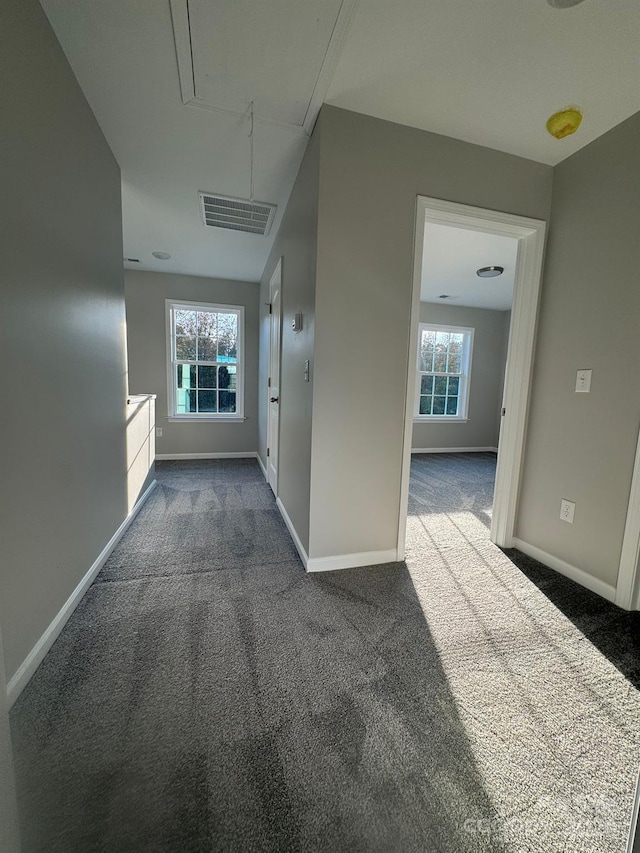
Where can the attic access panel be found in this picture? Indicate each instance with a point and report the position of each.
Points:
(280, 54)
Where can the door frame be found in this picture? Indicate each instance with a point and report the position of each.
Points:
(276, 276)
(627, 592)
(530, 234)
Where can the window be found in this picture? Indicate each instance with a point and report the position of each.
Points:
(205, 353)
(444, 368)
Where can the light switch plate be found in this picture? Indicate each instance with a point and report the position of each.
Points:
(583, 381)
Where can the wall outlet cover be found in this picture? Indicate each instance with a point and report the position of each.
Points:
(567, 510)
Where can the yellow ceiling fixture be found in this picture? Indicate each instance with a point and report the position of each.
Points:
(564, 123)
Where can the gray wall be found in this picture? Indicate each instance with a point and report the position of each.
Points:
(62, 308)
(487, 378)
(296, 244)
(146, 293)
(581, 446)
(370, 173)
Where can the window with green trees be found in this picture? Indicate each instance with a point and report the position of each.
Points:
(205, 360)
(443, 372)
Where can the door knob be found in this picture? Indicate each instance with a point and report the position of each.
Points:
(274, 399)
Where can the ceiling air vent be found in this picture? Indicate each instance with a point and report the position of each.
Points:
(237, 214)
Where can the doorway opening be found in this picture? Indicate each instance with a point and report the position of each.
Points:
(476, 286)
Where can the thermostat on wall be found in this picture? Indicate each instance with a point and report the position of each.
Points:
(296, 323)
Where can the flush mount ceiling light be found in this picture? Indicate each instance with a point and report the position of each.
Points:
(563, 4)
(161, 256)
(489, 272)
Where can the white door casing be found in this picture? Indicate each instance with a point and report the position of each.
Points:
(627, 592)
(530, 234)
(273, 391)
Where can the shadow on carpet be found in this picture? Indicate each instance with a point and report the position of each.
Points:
(614, 632)
(208, 695)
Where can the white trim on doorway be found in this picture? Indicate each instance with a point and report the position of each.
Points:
(530, 234)
(627, 592)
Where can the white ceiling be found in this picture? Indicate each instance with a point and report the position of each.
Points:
(487, 71)
(450, 262)
(493, 71)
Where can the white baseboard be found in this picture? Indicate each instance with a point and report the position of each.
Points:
(262, 465)
(243, 454)
(340, 561)
(351, 561)
(572, 572)
(454, 449)
(293, 532)
(35, 657)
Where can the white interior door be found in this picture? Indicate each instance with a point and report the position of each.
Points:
(273, 390)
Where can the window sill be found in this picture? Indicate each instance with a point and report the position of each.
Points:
(220, 419)
(438, 419)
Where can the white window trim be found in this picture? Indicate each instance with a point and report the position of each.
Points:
(195, 417)
(465, 377)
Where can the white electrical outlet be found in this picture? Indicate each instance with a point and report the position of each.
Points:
(567, 509)
(158, 432)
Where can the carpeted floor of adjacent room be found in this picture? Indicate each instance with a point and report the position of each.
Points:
(208, 695)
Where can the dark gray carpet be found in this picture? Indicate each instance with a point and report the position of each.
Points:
(208, 695)
(205, 517)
